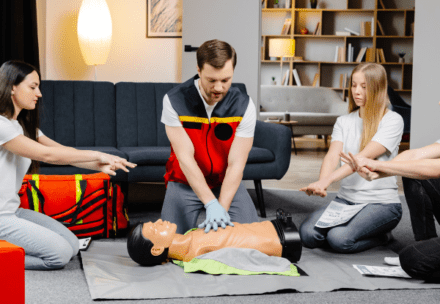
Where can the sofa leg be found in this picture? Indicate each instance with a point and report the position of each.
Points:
(326, 140)
(259, 191)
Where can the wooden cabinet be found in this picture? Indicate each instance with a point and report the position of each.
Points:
(318, 51)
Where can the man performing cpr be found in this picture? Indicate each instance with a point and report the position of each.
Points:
(210, 126)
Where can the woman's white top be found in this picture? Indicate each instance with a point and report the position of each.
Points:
(354, 188)
(12, 167)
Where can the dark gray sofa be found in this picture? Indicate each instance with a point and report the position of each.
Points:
(124, 119)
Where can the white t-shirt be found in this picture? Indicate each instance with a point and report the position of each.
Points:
(246, 127)
(12, 167)
(354, 188)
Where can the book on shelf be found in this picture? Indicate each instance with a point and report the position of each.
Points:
(296, 77)
(337, 54)
(372, 26)
(381, 4)
(286, 27)
(342, 33)
(379, 26)
(342, 54)
(285, 80)
(350, 53)
(343, 84)
(317, 30)
(361, 54)
(351, 31)
(274, 119)
(316, 80)
(380, 56)
(365, 28)
(370, 55)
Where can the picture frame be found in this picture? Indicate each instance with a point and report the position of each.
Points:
(164, 18)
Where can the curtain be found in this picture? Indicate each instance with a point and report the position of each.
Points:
(18, 31)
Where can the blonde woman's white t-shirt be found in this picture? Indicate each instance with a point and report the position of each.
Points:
(12, 167)
(354, 188)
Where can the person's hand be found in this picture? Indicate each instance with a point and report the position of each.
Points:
(215, 215)
(365, 167)
(108, 163)
(367, 174)
(318, 188)
(357, 162)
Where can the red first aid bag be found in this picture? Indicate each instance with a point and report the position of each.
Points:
(82, 202)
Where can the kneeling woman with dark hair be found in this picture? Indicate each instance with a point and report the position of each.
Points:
(47, 243)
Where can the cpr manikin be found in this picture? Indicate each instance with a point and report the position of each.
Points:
(151, 244)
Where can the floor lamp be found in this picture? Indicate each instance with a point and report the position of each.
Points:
(94, 31)
(283, 48)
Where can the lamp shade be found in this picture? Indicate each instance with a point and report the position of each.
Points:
(282, 47)
(94, 31)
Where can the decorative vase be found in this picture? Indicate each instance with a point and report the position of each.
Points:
(275, 5)
(313, 3)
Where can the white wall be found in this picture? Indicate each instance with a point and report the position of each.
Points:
(133, 57)
(425, 111)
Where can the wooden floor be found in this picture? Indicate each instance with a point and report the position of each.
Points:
(304, 167)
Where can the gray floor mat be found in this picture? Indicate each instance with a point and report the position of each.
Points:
(111, 274)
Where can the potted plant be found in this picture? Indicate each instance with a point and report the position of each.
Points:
(275, 4)
(313, 3)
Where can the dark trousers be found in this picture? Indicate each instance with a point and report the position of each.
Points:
(421, 260)
(423, 199)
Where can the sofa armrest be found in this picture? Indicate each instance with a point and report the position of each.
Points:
(277, 139)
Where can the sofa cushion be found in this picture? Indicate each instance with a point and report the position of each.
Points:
(260, 155)
(301, 99)
(147, 155)
(78, 113)
(109, 150)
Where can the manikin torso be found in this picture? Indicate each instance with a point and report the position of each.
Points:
(261, 236)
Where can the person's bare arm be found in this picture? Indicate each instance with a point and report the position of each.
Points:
(421, 163)
(184, 149)
(329, 165)
(118, 162)
(372, 150)
(26, 147)
(237, 158)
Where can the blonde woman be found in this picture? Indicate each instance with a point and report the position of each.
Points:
(372, 131)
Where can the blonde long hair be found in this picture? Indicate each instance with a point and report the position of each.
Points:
(376, 99)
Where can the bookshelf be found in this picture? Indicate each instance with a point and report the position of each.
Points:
(394, 35)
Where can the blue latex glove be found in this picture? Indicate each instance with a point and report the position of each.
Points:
(215, 215)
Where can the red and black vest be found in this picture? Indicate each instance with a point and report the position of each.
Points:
(212, 138)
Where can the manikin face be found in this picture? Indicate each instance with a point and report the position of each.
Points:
(160, 233)
(215, 83)
(359, 89)
(26, 94)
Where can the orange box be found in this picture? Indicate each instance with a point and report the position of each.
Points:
(12, 273)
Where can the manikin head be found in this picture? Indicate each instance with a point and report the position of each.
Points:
(215, 65)
(148, 243)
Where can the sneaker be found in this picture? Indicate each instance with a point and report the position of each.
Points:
(393, 261)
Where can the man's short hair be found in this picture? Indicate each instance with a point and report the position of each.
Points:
(216, 53)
